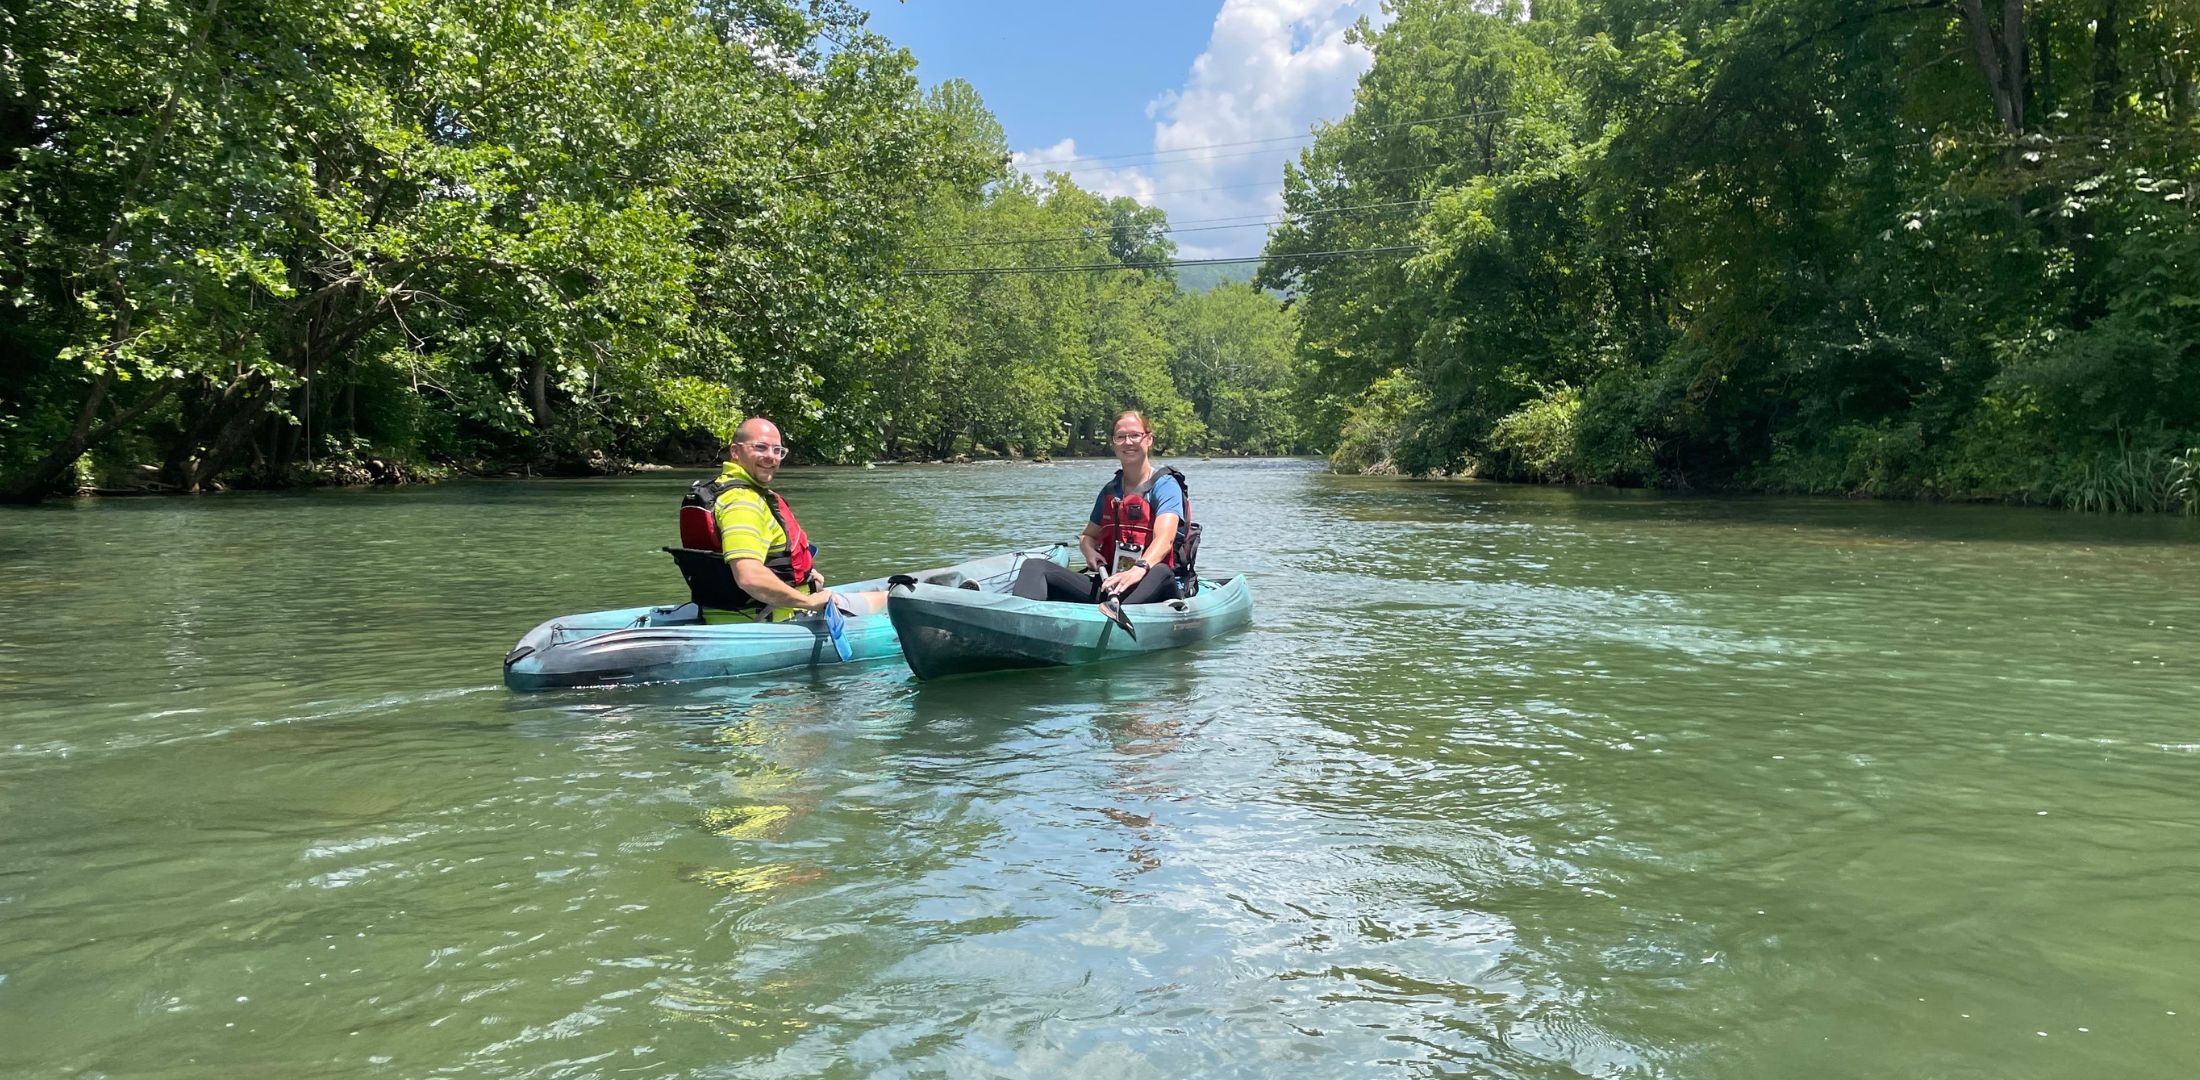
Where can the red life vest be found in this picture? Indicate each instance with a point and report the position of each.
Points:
(1128, 518)
(699, 528)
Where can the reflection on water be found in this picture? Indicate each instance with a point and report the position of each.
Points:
(1501, 782)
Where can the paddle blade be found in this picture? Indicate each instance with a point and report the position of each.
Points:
(1113, 609)
(836, 627)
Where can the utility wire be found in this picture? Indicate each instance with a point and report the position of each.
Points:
(1041, 163)
(1289, 216)
(1088, 268)
(1310, 213)
(1251, 142)
(1108, 232)
(1157, 161)
(1265, 183)
(1095, 236)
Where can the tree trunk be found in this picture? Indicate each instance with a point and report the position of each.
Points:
(2108, 76)
(1999, 46)
(284, 438)
(188, 468)
(2045, 94)
(538, 394)
(235, 433)
(38, 481)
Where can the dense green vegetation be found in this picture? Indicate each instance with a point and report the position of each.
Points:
(1932, 248)
(1941, 248)
(263, 241)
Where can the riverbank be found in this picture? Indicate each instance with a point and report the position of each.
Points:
(2155, 482)
(2160, 483)
(369, 472)
(365, 472)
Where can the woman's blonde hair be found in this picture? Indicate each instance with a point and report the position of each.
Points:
(1144, 428)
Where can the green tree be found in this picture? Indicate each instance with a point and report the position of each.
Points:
(1233, 362)
(529, 230)
(1900, 249)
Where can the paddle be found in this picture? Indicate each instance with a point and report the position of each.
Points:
(837, 628)
(1112, 607)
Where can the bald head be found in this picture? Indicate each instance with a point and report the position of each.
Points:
(756, 428)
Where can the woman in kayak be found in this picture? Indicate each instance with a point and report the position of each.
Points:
(1131, 538)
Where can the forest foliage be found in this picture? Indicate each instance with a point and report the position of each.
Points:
(266, 242)
(1944, 248)
(1927, 248)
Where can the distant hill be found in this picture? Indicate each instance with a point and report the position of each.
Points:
(1204, 278)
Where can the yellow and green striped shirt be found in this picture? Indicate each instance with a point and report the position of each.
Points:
(747, 529)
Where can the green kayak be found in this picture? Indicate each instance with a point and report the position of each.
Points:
(955, 631)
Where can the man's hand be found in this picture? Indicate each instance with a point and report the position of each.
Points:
(816, 601)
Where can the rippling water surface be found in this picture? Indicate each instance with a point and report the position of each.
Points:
(1502, 781)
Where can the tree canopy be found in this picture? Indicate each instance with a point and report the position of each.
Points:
(251, 238)
(1933, 248)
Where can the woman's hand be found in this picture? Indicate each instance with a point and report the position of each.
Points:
(816, 579)
(1118, 584)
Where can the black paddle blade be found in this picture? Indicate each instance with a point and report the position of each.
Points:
(1113, 609)
(901, 581)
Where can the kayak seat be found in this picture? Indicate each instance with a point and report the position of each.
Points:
(709, 580)
(698, 528)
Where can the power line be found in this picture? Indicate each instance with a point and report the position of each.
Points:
(1092, 237)
(1158, 161)
(1311, 213)
(1045, 162)
(1099, 232)
(1251, 142)
(1264, 183)
(1087, 268)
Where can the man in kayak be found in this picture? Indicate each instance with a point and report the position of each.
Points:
(770, 555)
(1133, 539)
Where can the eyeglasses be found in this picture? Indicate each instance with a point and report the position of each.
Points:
(1131, 436)
(767, 449)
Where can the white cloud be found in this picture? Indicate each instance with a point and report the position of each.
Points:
(1272, 68)
(1090, 175)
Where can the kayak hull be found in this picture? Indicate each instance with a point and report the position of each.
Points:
(673, 643)
(956, 632)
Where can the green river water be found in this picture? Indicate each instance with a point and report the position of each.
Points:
(1502, 781)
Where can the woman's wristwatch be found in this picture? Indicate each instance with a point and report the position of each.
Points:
(1141, 563)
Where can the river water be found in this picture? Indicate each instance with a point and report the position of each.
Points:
(1502, 781)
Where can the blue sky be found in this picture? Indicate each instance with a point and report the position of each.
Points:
(1152, 88)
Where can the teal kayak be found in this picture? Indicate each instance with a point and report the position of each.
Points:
(674, 643)
(953, 631)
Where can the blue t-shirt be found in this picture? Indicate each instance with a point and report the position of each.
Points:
(1167, 497)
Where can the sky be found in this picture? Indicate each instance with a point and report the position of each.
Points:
(1192, 107)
